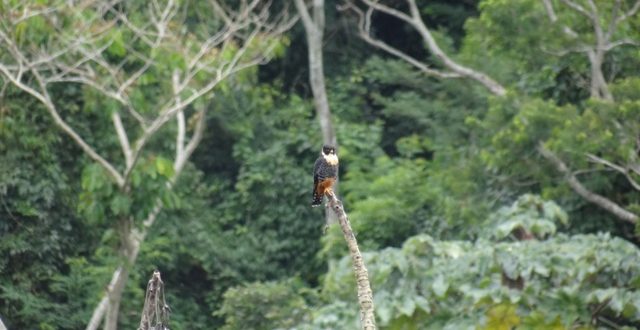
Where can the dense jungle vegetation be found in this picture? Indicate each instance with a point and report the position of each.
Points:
(513, 207)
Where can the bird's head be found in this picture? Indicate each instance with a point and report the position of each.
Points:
(328, 150)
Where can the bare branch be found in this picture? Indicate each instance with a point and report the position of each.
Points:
(182, 158)
(578, 49)
(51, 108)
(617, 168)
(578, 8)
(305, 16)
(599, 88)
(415, 20)
(364, 28)
(634, 9)
(621, 42)
(613, 22)
(365, 295)
(548, 6)
(122, 137)
(585, 193)
(180, 135)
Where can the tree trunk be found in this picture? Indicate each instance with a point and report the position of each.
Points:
(599, 87)
(320, 100)
(110, 303)
(115, 296)
(314, 27)
(365, 295)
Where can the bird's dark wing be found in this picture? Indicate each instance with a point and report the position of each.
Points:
(316, 170)
(317, 199)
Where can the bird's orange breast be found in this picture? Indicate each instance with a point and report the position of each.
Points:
(325, 185)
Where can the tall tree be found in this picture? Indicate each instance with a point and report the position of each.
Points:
(314, 26)
(138, 63)
(608, 28)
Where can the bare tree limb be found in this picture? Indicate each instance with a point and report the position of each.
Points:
(621, 42)
(414, 19)
(617, 168)
(578, 8)
(601, 201)
(365, 295)
(364, 28)
(51, 108)
(122, 137)
(634, 9)
(548, 6)
(595, 52)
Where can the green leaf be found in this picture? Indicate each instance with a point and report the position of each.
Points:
(93, 177)
(440, 286)
(407, 306)
(117, 46)
(164, 167)
(120, 204)
(422, 303)
(502, 317)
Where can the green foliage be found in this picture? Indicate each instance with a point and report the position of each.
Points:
(446, 192)
(386, 203)
(274, 305)
(101, 200)
(459, 285)
(529, 215)
(606, 130)
(39, 229)
(537, 56)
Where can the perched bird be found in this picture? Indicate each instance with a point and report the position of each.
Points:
(325, 173)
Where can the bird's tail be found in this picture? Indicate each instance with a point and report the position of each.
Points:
(317, 198)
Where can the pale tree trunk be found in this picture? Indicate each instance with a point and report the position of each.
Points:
(599, 87)
(314, 27)
(113, 294)
(365, 294)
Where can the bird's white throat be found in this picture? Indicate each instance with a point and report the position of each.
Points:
(332, 159)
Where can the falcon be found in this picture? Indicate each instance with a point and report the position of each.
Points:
(325, 173)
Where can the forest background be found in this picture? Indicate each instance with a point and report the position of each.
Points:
(505, 196)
